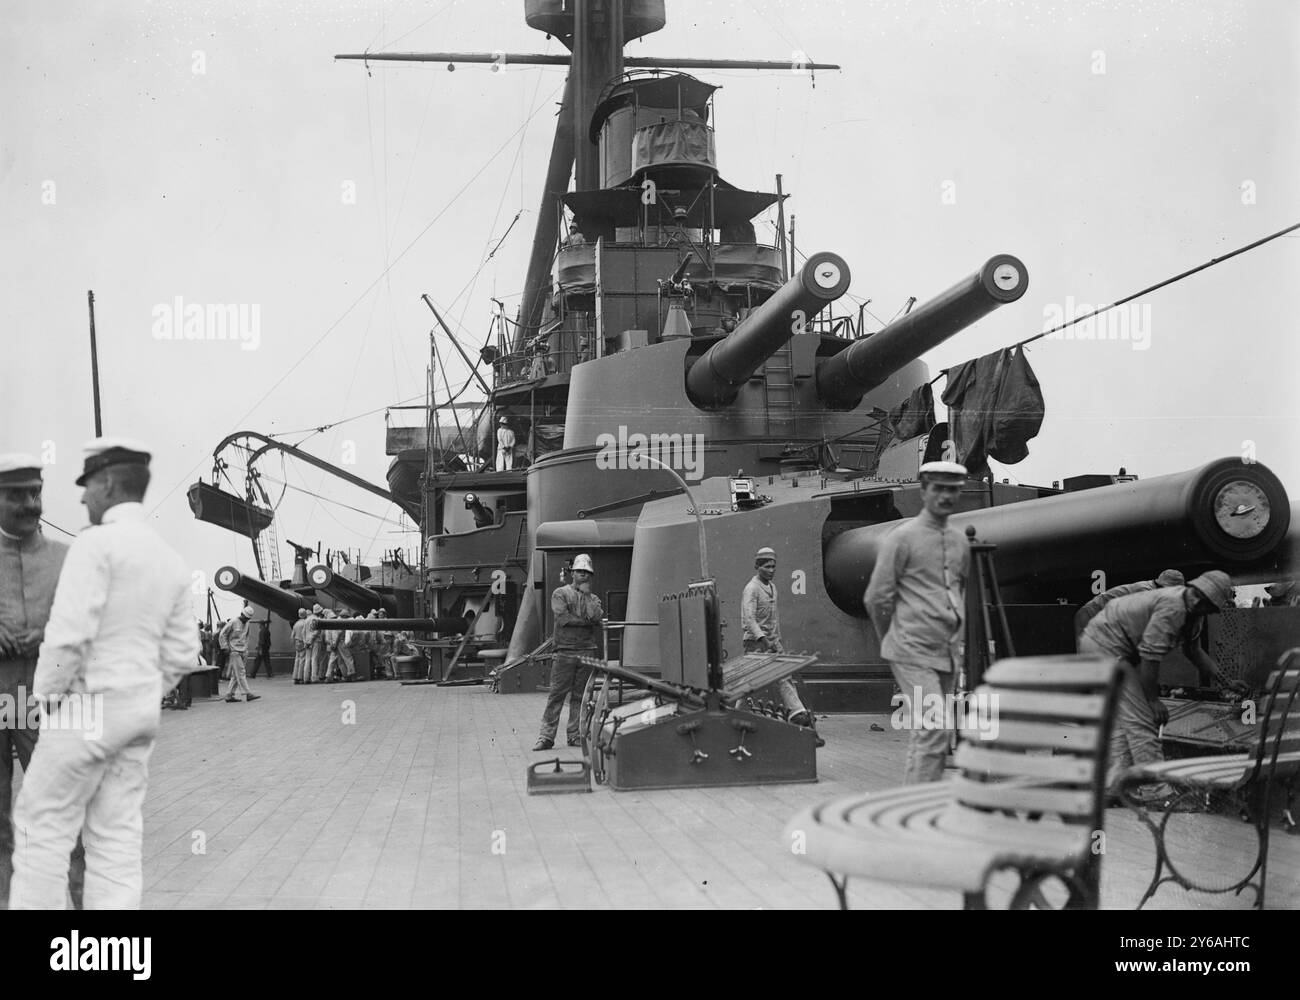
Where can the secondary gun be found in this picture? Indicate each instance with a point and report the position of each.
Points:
(354, 595)
(284, 603)
(1226, 515)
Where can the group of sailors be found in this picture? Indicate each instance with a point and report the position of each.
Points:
(91, 635)
(108, 619)
(916, 600)
(578, 613)
(321, 656)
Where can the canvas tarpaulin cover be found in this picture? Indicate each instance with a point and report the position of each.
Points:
(910, 418)
(995, 406)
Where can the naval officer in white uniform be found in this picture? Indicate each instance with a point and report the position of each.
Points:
(120, 634)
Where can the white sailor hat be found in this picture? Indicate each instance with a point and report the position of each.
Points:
(952, 473)
(317, 609)
(19, 470)
(105, 451)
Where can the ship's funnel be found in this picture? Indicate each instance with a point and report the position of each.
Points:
(356, 596)
(844, 379)
(283, 602)
(715, 379)
(1227, 515)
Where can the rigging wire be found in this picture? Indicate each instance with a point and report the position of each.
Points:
(57, 528)
(505, 190)
(772, 226)
(504, 235)
(303, 489)
(455, 414)
(355, 368)
(364, 292)
(1150, 288)
(394, 335)
(312, 431)
(1162, 284)
(441, 10)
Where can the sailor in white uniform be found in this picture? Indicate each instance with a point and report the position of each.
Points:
(120, 633)
(505, 446)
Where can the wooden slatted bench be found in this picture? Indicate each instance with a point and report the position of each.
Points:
(1029, 800)
(1244, 783)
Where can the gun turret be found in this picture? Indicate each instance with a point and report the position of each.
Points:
(1227, 515)
(356, 596)
(844, 379)
(284, 603)
(715, 379)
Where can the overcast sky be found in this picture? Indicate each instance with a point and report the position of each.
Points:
(151, 151)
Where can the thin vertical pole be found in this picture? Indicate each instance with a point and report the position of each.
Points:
(94, 364)
(428, 511)
(780, 229)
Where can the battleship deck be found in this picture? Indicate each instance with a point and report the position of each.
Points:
(421, 802)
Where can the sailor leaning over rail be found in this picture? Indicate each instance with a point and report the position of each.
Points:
(120, 634)
(761, 632)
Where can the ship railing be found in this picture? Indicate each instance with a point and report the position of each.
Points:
(843, 327)
(513, 367)
(531, 366)
(618, 684)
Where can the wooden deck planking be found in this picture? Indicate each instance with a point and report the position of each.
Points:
(421, 802)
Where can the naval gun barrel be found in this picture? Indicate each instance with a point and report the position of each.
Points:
(284, 603)
(1226, 515)
(715, 379)
(354, 595)
(843, 380)
(446, 626)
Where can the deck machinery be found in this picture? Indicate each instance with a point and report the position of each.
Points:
(656, 324)
(698, 723)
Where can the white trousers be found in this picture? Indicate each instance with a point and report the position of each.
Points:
(91, 784)
(238, 678)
